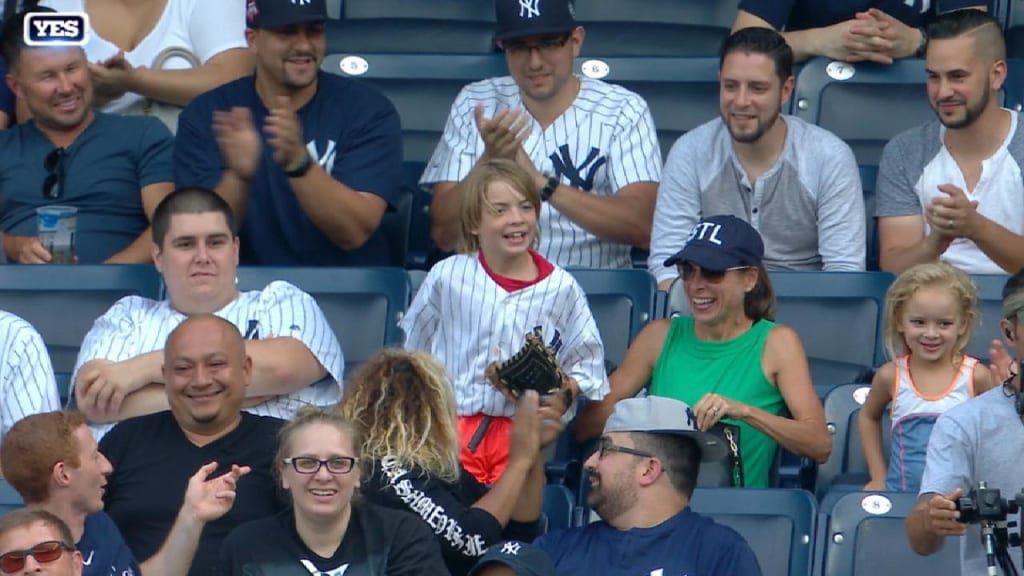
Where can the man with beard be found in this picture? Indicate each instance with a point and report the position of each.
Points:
(642, 477)
(308, 161)
(796, 183)
(113, 169)
(951, 189)
(589, 146)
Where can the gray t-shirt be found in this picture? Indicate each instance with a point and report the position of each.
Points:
(979, 440)
(808, 207)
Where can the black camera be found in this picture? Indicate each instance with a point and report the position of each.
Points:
(984, 504)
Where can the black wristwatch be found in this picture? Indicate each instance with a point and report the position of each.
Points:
(307, 163)
(549, 189)
(923, 45)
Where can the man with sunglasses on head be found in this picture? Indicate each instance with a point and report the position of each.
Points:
(113, 169)
(642, 478)
(589, 146)
(796, 184)
(37, 542)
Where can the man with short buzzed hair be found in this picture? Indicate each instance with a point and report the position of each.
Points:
(951, 190)
(34, 541)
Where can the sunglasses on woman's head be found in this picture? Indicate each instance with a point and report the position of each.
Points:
(688, 269)
(44, 553)
(53, 186)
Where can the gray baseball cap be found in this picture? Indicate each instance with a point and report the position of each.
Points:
(661, 415)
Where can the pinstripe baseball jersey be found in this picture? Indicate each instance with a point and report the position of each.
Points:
(27, 385)
(135, 326)
(466, 320)
(602, 143)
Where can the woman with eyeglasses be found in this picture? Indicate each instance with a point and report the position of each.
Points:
(404, 406)
(328, 530)
(729, 360)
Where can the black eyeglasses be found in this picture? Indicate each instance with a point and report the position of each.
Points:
(44, 553)
(688, 269)
(609, 446)
(310, 465)
(545, 46)
(53, 186)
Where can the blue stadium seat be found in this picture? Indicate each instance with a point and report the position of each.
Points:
(655, 27)
(836, 314)
(63, 301)
(682, 93)
(621, 301)
(362, 305)
(990, 308)
(396, 225)
(558, 507)
(10, 500)
(845, 99)
(778, 524)
(413, 26)
(846, 465)
(866, 537)
(868, 179)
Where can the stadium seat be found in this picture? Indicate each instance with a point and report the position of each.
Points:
(682, 93)
(362, 305)
(866, 537)
(558, 507)
(778, 524)
(990, 308)
(413, 26)
(63, 301)
(844, 99)
(836, 314)
(621, 301)
(9, 499)
(655, 27)
(846, 466)
(868, 179)
(395, 226)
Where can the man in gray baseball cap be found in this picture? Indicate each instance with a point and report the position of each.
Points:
(642, 477)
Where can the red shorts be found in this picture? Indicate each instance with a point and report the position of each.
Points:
(488, 461)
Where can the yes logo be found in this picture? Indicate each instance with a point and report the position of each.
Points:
(56, 29)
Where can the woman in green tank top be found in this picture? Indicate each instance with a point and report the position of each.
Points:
(729, 360)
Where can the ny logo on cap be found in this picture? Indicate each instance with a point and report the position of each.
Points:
(301, 2)
(707, 231)
(528, 8)
(510, 548)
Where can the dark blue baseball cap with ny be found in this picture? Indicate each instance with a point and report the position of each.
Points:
(522, 18)
(720, 242)
(281, 13)
(524, 559)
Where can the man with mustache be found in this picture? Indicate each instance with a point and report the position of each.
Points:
(951, 189)
(113, 169)
(795, 183)
(642, 477)
(308, 161)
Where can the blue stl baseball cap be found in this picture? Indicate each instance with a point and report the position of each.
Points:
(281, 13)
(721, 242)
(521, 18)
(524, 559)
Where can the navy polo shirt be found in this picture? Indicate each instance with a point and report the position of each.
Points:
(806, 14)
(104, 552)
(352, 130)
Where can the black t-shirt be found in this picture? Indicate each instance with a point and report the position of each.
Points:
(804, 14)
(153, 461)
(378, 542)
(464, 532)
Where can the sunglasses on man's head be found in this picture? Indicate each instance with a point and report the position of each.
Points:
(53, 186)
(688, 269)
(44, 553)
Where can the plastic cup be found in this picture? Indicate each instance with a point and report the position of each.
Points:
(57, 226)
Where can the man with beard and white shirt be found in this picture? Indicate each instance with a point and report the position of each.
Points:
(795, 183)
(951, 189)
(642, 477)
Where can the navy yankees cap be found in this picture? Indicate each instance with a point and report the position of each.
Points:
(521, 18)
(720, 242)
(524, 559)
(281, 13)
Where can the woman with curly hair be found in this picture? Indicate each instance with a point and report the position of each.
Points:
(405, 409)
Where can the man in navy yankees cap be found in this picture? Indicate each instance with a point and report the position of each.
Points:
(534, 17)
(282, 13)
(518, 558)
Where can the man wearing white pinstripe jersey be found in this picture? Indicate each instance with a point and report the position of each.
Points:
(591, 146)
(27, 385)
(297, 360)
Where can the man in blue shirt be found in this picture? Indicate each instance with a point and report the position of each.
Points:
(641, 480)
(52, 460)
(849, 30)
(113, 169)
(308, 160)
